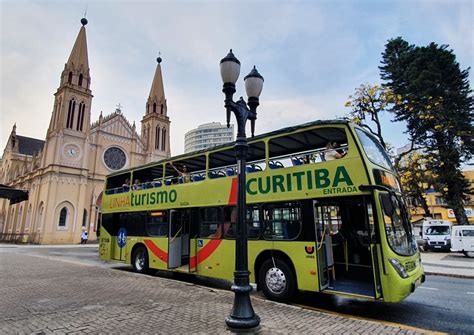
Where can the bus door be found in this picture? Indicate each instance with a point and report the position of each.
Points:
(323, 244)
(120, 238)
(178, 239)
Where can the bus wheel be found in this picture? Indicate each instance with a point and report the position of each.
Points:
(469, 254)
(277, 280)
(140, 260)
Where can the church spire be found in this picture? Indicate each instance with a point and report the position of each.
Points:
(76, 70)
(78, 59)
(156, 99)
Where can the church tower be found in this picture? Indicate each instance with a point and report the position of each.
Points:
(155, 122)
(69, 127)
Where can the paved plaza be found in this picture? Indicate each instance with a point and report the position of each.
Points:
(41, 296)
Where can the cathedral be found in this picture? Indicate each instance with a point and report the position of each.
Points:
(64, 174)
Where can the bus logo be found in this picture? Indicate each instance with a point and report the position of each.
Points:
(122, 237)
(309, 249)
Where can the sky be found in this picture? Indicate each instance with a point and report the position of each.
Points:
(312, 54)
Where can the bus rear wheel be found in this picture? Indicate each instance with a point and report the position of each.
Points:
(140, 260)
(277, 281)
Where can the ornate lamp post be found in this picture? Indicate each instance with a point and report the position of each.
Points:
(242, 316)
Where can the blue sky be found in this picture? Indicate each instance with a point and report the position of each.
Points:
(312, 54)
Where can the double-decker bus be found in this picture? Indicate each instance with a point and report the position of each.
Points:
(315, 222)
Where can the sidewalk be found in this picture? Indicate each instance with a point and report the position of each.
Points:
(448, 264)
(45, 297)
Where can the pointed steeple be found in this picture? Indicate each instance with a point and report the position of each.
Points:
(155, 122)
(76, 70)
(157, 92)
(78, 59)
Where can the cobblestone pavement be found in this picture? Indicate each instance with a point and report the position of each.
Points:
(42, 296)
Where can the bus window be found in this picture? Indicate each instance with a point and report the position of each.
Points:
(305, 147)
(157, 224)
(281, 221)
(149, 177)
(118, 184)
(210, 222)
(252, 220)
(230, 219)
(374, 150)
(225, 159)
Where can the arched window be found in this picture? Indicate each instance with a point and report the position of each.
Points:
(70, 114)
(69, 78)
(80, 116)
(147, 108)
(28, 218)
(84, 218)
(163, 140)
(162, 108)
(62, 217)
(154, 107)
(157, 137)
(80, 79)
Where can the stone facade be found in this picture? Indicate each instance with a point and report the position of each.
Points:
(65, 173)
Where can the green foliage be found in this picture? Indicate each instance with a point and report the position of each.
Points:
(435, 100)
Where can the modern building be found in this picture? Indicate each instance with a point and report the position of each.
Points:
(64, 173)
(208, 135)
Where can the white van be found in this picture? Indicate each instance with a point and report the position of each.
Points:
(437, 234)
(462, 240)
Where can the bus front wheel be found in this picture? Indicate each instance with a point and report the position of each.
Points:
(140, 260)
(277, 281)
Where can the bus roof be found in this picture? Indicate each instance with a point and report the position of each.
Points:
(231, 144)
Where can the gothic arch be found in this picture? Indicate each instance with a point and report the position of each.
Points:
(64, 215)
(40, 216)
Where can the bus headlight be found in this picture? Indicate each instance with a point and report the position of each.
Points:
(398, 267)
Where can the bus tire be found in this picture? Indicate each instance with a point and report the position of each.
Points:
(140, 260)
(469, 254)
(277, 280)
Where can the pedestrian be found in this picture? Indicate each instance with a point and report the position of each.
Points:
(84, 237)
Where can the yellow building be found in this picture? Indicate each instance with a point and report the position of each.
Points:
(438, 207)
(64, 174)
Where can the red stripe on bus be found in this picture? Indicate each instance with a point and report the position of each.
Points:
(233, 192)
(156, 251)
(204, 253)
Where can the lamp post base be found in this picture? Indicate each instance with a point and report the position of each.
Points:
(242, 318)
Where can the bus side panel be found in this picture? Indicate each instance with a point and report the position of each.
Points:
(303, 256)
(215, 258)
(157, 248)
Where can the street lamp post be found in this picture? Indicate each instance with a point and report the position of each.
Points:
(242, 316)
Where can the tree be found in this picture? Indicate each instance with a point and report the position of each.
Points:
(415, 177)
(437, 104)
(367, 103)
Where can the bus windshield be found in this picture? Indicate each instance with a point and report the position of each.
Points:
(397, 227)
(374, 150)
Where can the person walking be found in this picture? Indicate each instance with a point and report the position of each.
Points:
(84, 237)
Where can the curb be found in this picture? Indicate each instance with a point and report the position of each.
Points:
(454, 275)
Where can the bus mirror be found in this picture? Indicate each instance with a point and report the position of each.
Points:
(387, 204)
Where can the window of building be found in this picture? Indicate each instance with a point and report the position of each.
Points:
(163, 140)
(70, 114)
(154, 107)
(80, 79)
(157, 138)
(63, 214)
(84, 218)
(69, 78)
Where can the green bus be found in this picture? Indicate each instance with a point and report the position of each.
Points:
(324, 213)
